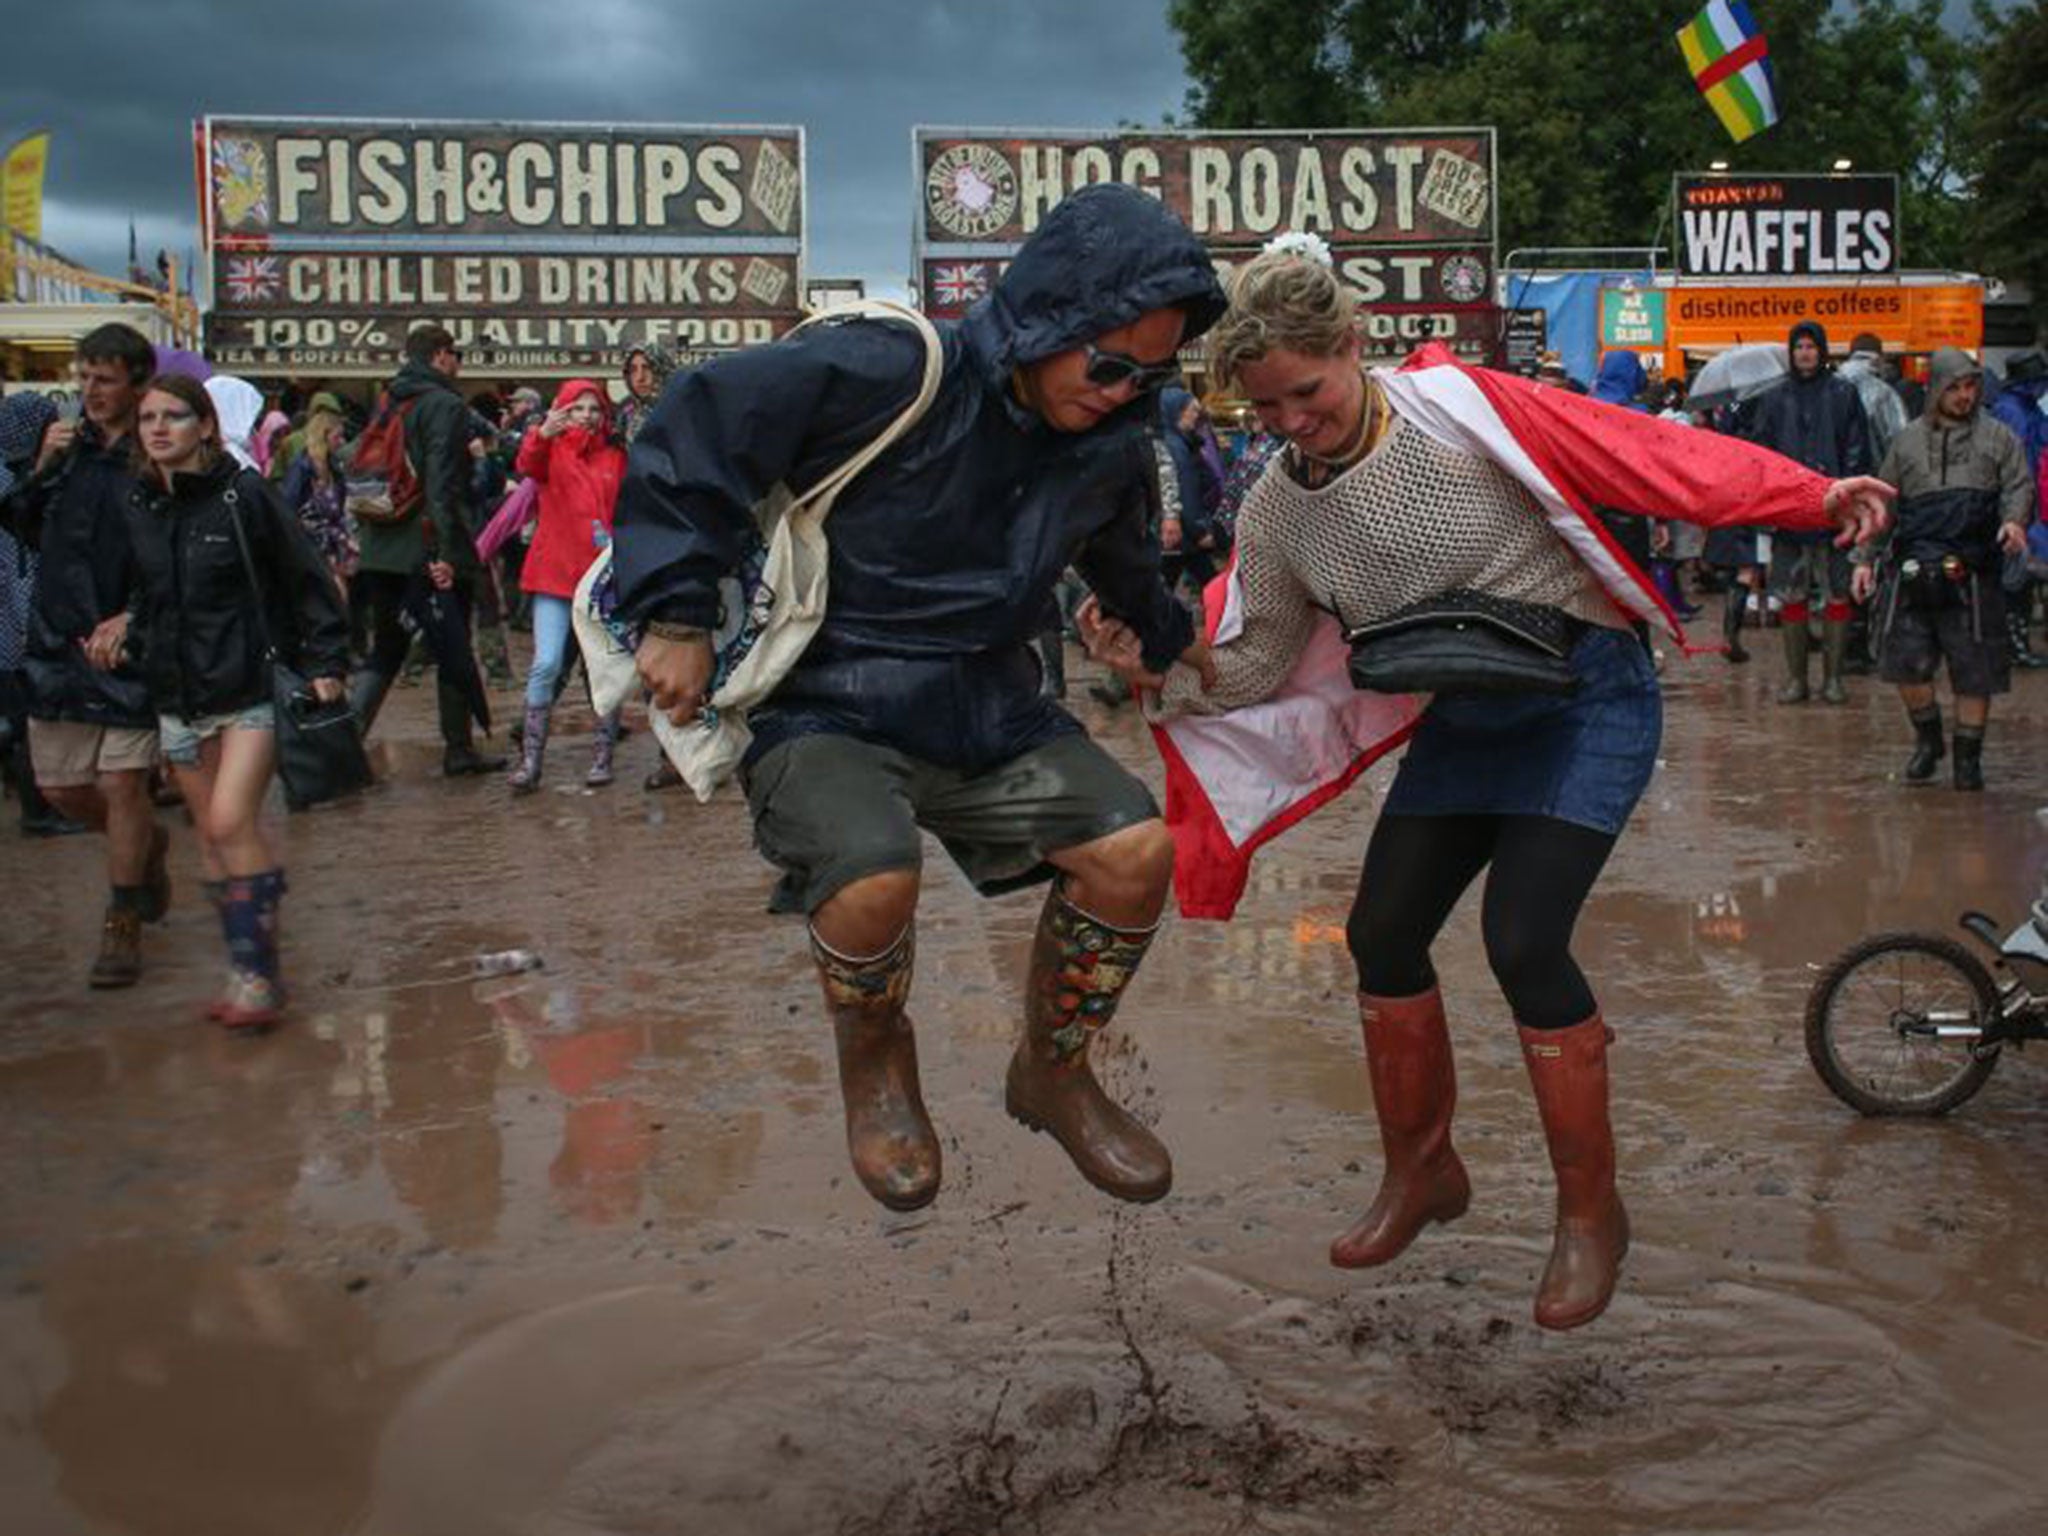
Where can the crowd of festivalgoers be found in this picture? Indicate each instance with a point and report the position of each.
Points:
(132, 670)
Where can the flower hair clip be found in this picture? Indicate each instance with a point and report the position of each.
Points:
(1298, 242)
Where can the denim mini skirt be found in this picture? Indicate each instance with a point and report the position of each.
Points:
(1584, 757)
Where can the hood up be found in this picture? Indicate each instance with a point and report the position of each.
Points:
(1620, 380)
(1103, 257)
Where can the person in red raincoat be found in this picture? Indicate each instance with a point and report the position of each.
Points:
(573, 459)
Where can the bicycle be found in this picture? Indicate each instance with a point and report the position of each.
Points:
(1914, 1023)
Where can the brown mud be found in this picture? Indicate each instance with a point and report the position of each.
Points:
(576, 1252)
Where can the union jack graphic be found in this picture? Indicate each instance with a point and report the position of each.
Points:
(959, 283)
(253, 279)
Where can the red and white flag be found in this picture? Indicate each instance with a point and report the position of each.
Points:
(1236, 781)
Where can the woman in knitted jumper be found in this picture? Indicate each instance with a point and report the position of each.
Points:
(1397, 487)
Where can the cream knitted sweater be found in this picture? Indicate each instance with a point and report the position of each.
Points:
(1411, 520)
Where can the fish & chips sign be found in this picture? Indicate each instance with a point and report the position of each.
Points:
(1409, 215)
(543, 247)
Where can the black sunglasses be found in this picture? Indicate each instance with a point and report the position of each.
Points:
(1106, 370)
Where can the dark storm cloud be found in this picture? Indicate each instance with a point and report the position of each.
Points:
(119, 84)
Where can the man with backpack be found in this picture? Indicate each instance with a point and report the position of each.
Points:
(917, 705)
(409, 476)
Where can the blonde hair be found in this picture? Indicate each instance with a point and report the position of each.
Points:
(1281, 302)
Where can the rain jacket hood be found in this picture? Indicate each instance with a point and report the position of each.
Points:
(1104, 257)
(1814, 331)
(575, 390)
(1620, 380)
(1943, 369)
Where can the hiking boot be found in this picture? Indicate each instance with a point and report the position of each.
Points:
(120, 958)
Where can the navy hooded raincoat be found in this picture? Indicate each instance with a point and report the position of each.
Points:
(945, 552)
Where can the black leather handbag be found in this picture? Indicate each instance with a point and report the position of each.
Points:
(320, 753)
(1466, 642)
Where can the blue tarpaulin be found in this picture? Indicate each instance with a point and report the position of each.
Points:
(1571, 304)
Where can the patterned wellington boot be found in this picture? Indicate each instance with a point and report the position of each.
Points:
(252, 1000)
(889, 1136)
(1079, 969)
(524, 778)
(601, 747)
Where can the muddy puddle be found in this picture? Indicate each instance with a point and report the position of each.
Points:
(575, 1252)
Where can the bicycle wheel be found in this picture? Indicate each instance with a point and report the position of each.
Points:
(1873, 1022)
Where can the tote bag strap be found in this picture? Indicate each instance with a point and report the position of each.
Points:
(934, 366)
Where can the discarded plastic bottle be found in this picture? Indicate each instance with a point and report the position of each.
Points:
(505, 962)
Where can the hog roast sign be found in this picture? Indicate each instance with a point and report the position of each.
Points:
(546, 248)
(1409, 215)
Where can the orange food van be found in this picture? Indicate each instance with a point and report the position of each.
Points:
(1910, 317)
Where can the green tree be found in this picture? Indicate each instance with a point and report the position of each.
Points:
(1594, 109)
(2008, 134)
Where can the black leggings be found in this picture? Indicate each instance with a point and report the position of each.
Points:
(1416, 868)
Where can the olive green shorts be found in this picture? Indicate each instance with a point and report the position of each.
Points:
(829, 810)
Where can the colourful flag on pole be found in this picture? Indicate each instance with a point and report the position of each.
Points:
(23, 180)
(1731, 64)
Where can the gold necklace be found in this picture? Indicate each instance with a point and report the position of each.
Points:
(1372, 415)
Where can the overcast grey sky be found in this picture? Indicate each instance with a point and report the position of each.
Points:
(119, 82)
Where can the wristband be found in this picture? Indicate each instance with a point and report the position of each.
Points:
(662, 629)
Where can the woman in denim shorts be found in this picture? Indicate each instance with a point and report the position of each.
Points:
(197, 626)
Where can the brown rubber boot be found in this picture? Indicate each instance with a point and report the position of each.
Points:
(889, 1136)
(1569, 1070)
(1414, 1089)
(119, 963)
(1079, 968)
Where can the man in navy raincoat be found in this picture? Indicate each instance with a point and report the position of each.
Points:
(918, 703)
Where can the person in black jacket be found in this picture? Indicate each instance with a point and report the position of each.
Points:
(201, 631)
(92, 734)
(1817, 419)
(918, 703)
(434, 543)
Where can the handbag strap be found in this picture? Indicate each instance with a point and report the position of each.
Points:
(828, 489)
(232, 501)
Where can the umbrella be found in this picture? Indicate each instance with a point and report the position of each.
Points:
(439, 620)
(1739, 374)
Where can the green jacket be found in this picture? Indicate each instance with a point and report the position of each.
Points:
(437, 441)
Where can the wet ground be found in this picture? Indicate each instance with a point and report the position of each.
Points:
(576, 1252)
